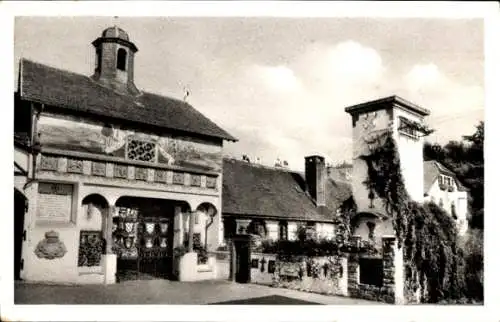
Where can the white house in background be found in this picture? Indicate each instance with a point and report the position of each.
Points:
(442, 187)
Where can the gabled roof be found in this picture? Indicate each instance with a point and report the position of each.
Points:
(432, 169)
(258, 191)
(73, 92)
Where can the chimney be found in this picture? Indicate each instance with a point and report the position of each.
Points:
(316, 179)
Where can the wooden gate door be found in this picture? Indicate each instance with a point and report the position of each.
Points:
(155, 246)
(143, 245)
(242, 258)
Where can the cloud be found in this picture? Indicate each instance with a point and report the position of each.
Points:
(295, 109)
(277, 78)
(455, 107)
(423, 77)
(291, 110)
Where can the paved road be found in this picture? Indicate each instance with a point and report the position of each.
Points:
(170, 292)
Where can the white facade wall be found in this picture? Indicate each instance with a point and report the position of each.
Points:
(459, 198)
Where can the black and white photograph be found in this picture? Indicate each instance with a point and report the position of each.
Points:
(247, 160)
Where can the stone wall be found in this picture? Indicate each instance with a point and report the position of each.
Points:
(222, 263)
(391, 290)
(316, 275)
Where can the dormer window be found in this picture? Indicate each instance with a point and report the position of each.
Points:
(445, 182)
(121, 59)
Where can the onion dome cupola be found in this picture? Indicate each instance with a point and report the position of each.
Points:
(114, 59)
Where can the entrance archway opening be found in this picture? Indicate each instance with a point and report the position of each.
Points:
(94, 237)
(20, 208)
(143, 237)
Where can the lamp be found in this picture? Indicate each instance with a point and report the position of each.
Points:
(89, 211)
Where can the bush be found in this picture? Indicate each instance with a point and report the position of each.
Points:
(474, 265)
(312, 247)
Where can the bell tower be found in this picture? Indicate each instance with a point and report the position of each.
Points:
(114, 61)
(404, 121)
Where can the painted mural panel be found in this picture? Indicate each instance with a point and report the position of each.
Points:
(99, 138)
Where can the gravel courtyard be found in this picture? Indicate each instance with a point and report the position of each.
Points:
(170, 292)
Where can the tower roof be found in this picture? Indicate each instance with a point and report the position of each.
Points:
(392, 101)
(115, 32)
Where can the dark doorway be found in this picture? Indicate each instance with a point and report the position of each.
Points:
(20, 204)
(242, 250)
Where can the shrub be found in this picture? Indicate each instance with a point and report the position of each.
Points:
(474, 265)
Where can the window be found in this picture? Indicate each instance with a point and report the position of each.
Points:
(98, 59)
(406, 127)
(283, 230)
(121, 59)
(445, 180)
(453, 210)
(371, 230)
(141, 150)
(371, 271)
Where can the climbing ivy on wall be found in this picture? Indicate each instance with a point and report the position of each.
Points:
(427, 234)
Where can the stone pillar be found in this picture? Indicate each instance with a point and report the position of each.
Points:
(178, 227)
(232, 261)
(393, 271)
(191, 230)
(343, 282)
(272, 229)
(353, 275)
(242, 225)
(108, 229)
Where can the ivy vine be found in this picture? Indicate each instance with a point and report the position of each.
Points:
(428, 235)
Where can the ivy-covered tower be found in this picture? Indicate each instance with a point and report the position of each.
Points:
(405, 122)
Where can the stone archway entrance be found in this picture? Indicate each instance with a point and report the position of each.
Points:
(143, 237)
(20, 208)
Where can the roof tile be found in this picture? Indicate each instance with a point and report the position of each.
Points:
(79, 93)
(254, 190)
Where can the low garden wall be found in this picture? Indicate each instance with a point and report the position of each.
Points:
(323, 275)
(222, 264)
(373, 276)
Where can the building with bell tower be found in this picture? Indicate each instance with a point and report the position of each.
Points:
(110, 177)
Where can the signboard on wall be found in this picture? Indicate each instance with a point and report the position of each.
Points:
(99, 138)
(55, 202)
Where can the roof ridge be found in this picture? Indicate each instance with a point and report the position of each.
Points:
(22, 60)
(261, 166)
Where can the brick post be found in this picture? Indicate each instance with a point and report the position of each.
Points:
(393, 291)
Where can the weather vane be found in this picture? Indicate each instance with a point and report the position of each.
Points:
(186, 92)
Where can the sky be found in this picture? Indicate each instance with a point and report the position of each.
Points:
(280, 85)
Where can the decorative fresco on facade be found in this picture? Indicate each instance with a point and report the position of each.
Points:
(104, 139)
